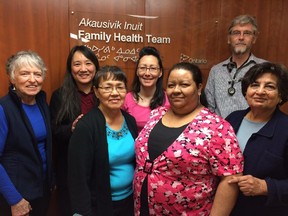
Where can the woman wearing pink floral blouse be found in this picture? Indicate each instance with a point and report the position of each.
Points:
(186, 154)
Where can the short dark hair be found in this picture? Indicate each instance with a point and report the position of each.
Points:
(279, 70)
(107, 72)
(196, 75)
(192, 68)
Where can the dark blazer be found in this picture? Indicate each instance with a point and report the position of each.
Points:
(89, 176)
(265, 157)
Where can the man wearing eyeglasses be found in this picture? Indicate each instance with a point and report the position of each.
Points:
(223, 88)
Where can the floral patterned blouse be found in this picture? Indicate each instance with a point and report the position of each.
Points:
(183, 179)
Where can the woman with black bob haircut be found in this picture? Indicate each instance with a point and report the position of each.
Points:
(261, 130)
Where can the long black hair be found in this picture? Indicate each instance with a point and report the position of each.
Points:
(70, 106)
(158, 98)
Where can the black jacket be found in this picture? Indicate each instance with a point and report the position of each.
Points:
(265, 157)
(88, 164)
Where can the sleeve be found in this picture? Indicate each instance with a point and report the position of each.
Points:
(80, 163)
(277, 192)
(226, 157)
(7, 189)
(125, 105)
(278, 187)
(3, 129)
(210, 91)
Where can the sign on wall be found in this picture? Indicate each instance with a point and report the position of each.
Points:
(117, 38)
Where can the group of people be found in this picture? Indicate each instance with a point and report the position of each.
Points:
(186, 150)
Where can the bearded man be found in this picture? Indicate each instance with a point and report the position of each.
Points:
(223, 88)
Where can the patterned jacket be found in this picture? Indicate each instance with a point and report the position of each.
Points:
(184, 178)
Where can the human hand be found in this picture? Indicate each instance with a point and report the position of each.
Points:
(76, 121)
(250, 185)
(22, 208)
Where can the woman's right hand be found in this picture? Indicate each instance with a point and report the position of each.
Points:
(76, 121)
(22, 208)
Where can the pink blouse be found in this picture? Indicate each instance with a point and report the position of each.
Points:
(140, 113)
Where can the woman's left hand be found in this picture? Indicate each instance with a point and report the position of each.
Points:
(250, 185)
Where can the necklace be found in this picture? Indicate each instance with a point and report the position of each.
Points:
(144, 98)
(117, 134)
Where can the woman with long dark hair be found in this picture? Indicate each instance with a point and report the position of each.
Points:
(68, 104)
(147, 88)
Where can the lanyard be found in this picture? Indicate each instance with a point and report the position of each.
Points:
(230, 66)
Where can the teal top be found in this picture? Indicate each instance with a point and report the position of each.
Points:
(121, 160)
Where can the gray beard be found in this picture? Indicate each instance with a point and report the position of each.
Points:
(240, 50)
